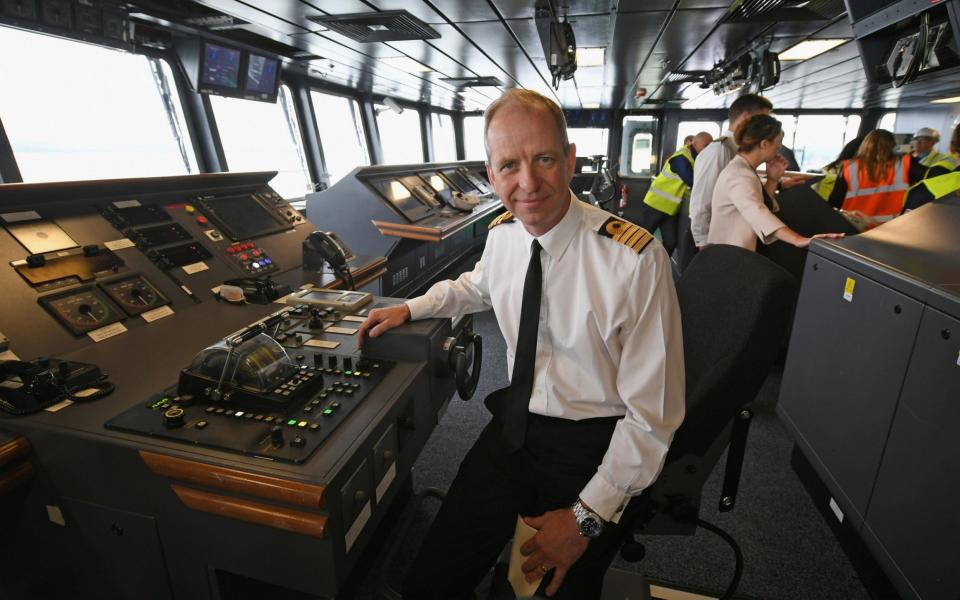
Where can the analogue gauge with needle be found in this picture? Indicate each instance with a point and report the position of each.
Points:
(83, 309)
(135, 294)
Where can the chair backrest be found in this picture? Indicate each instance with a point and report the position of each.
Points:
(735, 306)
(804, 211)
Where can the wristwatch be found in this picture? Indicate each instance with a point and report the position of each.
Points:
(589, 522)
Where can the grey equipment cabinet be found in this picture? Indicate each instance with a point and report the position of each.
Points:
(871, 387)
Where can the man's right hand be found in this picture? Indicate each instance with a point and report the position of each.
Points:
(381, 320)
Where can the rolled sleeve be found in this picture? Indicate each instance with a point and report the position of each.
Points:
(650, 382)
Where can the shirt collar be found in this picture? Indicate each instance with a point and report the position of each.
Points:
(555, 241)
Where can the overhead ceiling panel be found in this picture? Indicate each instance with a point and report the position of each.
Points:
(524, 9)
(460, 11)
(462, 50)
(633, 41)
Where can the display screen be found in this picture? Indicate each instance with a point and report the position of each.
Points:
(322, 296)
(221, 66)
(261, 75)
(459, 181)
(241, 217)
(401, 198)
(440, 185)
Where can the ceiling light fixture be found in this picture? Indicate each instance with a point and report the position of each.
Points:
(407, 64)
(952, 100)
(590, 57)
(809, 48)
(591, 105)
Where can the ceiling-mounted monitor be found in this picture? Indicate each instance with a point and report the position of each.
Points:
(219, 69)
(261, 79)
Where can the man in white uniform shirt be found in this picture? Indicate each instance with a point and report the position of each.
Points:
(598, 405)
(714, 158)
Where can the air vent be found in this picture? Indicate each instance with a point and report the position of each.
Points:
(766, 11)
(386, 26)
(217, 22)
(684, 76)
(462, 82)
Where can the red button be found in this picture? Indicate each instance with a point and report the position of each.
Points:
(202, 220)
(231, 250)
(244, 257)
(248, 245)
(256, 253)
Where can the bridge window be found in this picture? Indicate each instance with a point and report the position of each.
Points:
(638, 150)
(260, 136)
(818, 139)
(889, 122)
(473, 138)
(77, 111)
(341, 134)
(444, 139)
(590, 141)
(400, 135)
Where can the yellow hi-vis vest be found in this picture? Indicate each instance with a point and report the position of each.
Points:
(941, 185)
(825, 186)
(667, 191)
(939, 159)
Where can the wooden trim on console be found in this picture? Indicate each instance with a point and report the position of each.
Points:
(233, 480)
(13, 450)
(253, 512)
(14, 476)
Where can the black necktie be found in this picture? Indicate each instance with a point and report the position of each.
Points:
(521, 383)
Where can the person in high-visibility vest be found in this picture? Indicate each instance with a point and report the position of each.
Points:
(668, 190)
(824, 186)
(872, 188)
(925, 150)
(936, 187)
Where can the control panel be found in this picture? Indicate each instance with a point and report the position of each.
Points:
(262, 391)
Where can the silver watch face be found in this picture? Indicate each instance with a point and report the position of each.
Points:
(590, 527)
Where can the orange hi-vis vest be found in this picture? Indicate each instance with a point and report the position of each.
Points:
(876, 201)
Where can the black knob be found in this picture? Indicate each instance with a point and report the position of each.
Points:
(276, 436)
(332, 361)
(300, 358)
(298, 442)
(347, 363)
(173, 417)
(316, 319)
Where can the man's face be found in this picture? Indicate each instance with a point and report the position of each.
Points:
(922, 145)
(528, 167)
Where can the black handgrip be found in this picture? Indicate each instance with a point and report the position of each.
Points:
(466, 381)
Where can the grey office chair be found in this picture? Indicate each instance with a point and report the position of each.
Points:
(735, 305)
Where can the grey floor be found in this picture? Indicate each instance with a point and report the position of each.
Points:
(789, 550)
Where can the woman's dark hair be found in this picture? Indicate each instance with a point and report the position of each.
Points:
(756, 129)
(848, 152)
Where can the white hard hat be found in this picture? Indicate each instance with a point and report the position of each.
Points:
(927, 132)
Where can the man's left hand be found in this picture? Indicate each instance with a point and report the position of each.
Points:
(556, 545)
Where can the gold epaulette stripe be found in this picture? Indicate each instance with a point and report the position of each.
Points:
(504, 218)
(623, 232)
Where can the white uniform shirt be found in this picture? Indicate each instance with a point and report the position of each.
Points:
(609, 341)
(710, 162)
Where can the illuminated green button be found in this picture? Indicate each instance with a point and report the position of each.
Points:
(327, 412)
(348, 373)
(292, 422)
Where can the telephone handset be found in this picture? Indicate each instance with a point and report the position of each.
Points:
(27, 387)
(326, 247)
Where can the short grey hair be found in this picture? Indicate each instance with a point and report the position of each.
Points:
(529, 99)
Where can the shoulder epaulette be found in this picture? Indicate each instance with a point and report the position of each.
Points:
(624, 232)
(504, 218)
(721, 139)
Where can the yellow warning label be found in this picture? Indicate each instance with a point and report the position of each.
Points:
(848, 289)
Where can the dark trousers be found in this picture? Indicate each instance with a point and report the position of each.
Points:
(652, 219)
(479, 514)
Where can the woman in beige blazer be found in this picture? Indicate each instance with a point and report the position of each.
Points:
(742, 211)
